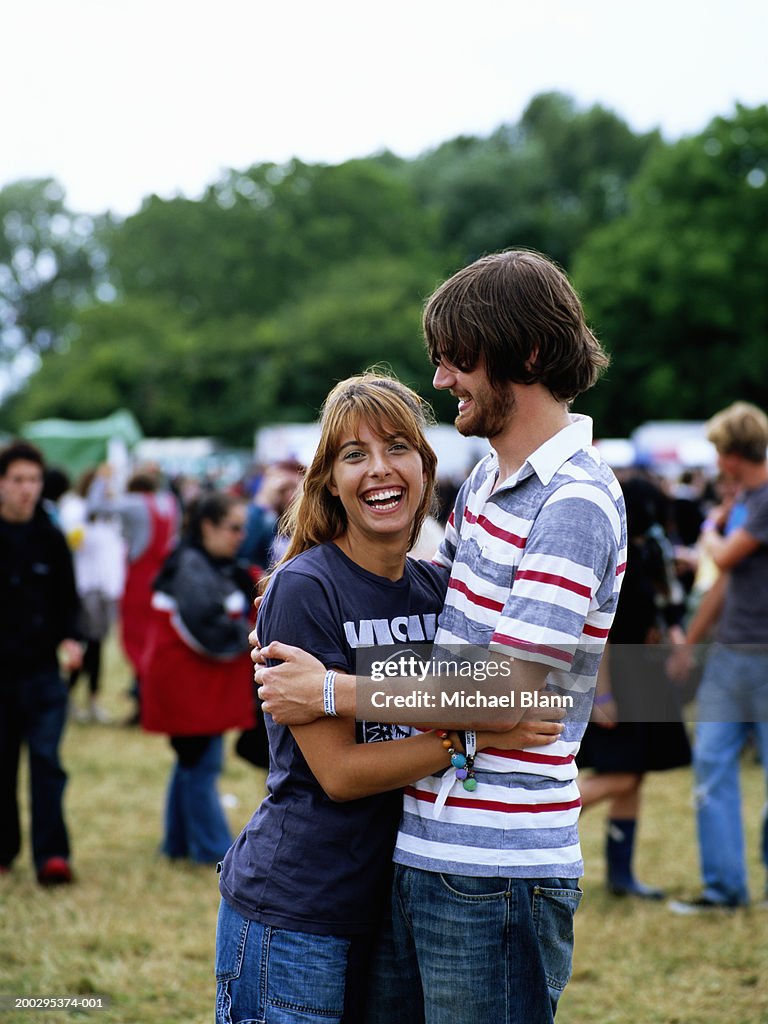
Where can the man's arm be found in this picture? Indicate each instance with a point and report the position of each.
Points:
(681, 659)
(727, 552)
(292, 692)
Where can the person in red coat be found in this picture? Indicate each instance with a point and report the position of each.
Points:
(197, 674)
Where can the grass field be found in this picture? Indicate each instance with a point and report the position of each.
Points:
(140, 932)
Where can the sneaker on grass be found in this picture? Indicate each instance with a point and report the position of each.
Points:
(701, 905)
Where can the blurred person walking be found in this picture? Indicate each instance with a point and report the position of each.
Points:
(636, 723)
(733, 696)
(196, 670)
(263, 546)
(149, 518)
(98, 551)
(38, 612)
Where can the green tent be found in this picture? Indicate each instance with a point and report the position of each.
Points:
(76, 446)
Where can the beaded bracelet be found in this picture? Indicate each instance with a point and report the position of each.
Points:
(329, 694)
(463, 763)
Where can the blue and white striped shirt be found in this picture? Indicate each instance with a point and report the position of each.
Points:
(536, 566)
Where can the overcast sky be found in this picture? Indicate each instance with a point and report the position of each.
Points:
(121, 98)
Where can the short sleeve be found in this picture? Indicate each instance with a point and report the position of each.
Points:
(567, 574)
(756, 523)
(299, 610)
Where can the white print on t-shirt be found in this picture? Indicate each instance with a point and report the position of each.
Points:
(367, 632)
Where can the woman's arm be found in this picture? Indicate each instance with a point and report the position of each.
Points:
(348, 770)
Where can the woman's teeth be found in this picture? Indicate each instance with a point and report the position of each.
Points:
(384, 500)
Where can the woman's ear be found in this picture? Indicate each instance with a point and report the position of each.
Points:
(332, 488)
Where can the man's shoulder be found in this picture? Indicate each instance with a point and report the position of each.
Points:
(757, 500)
(585, 476)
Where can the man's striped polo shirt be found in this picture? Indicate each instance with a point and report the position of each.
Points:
(536, 566)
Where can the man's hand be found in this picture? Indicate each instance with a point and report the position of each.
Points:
(70, 655)
(291, 692)
(680, 663)
(529, 732)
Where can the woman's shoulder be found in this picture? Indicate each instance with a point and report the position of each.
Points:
(321, 562)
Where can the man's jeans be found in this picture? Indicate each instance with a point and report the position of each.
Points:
(732, 703)
(195, 823)
(33, 710)
(475, 950)
(269, 975)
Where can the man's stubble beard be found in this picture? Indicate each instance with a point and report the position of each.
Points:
(491, 415)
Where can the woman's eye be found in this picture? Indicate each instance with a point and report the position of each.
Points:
(351, 456)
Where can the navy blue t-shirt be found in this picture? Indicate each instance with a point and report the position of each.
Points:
(304, 862)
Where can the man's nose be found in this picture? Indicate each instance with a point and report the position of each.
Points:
(443, 378)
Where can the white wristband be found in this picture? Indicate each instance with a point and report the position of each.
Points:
(329, 694)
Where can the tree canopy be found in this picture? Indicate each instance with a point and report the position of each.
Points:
(676, 286)
(218, 315)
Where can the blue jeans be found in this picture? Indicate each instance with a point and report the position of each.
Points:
(267, 975)
(195, 824)
(732, 703)
(33, 710)
(476, 950)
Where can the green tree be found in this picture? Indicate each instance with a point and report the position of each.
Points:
(545, 182)
(50, 263)
(258, 238)
(677, 286)
(226, 377)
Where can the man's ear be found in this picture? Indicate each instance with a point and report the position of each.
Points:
(533, 358)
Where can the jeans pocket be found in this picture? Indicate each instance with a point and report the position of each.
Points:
(475, 887)
(552, 911)
(307, 976)
(231, 937)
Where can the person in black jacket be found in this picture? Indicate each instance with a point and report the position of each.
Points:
(38, 610)
(636, 724)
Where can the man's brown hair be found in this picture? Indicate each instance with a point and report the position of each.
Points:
(516, 313)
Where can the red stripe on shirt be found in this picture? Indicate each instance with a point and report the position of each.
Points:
(484, 523)
(484, 602)
(594, 631)
(523, 645)
(494, 805)
(621, 568)
(529, 756)
(555, 581)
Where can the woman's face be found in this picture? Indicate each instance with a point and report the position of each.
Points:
(222, 540)
(379, 480)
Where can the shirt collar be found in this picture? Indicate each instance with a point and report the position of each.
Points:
(556, 451)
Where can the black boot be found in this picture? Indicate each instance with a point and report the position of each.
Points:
(619, 847)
